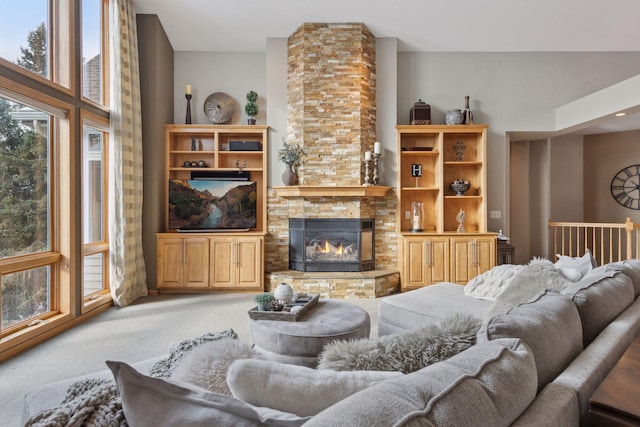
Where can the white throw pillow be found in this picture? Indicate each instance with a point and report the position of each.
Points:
(491, 283)
(583, 264)
(207, 364)
(296, 389)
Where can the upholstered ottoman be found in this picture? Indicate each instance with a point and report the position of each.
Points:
(301, 342)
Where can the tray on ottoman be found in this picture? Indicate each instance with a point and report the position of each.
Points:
(304, 301)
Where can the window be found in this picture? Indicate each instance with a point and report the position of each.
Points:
(54, 246)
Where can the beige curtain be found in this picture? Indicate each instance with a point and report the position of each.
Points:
(127, 269)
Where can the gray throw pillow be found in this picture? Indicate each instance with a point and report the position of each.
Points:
(549, 324)
(149, 401)
(489, 384)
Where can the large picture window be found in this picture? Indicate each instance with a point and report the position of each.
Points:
(54, 245)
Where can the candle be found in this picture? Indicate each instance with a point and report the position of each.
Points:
(367, 155)
(416, 222)
(376, 148)
(188, 92)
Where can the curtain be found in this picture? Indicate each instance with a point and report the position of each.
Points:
(127, 268)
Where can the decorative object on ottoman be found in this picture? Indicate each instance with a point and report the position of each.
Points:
(283, 293)
(290, 312)
(264, 301)
(454, 117)
(460, 186)
(405, 352)
(206, 365)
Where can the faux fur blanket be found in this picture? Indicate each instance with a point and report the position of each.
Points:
(531, 279)
(97, 402)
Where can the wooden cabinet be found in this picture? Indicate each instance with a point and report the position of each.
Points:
(470, 256)
(183, 262)
(431, 157)
(208, 261)
(236, 262)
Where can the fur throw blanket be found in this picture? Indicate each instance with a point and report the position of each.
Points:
(94, 402)
(533, 278)
(405, 352)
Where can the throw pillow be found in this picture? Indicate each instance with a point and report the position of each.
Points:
(549, 324)
(297, 389)
(149, 401)
(583, 264)
(489, 384)
(489, 284)
(206, 365)
(405, 352)
(600, 297)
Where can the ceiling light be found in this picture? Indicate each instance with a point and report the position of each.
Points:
(620, 114)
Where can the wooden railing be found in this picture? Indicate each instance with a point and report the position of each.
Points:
(606, 242)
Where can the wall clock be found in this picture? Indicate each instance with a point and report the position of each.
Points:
(625, 187)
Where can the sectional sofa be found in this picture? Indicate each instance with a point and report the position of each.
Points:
(536, 363)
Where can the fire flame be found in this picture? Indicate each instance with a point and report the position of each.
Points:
(327, 248)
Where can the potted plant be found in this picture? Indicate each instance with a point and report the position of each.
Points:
(264, 301)
(251, 108)
(290, 154)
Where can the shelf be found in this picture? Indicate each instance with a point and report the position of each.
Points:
(420, 189)
(463, 197)
(462, 163)
(331, 191)
(192, 152)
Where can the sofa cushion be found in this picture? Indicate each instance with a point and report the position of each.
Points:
(405, 352)
(149, 401)
(631, 268)
(297, 389)
(487, 385)
(600, 296)
(426, 306)
(549, 323)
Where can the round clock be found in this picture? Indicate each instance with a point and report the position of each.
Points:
(625, 187)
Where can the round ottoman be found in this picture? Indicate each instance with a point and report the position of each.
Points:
(301, 342)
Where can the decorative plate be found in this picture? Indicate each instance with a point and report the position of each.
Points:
(219, 107)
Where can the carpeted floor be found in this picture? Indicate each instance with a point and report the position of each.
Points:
(140, 331)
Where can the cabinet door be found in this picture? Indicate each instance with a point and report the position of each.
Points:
(183, 262)
(471, 256)
(169, 261)
(249, 262)
(425, 261)
(222, 274)
(195, 263)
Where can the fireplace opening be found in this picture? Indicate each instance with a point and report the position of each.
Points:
(340, 244)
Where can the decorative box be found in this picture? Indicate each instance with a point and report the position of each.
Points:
(420, 113)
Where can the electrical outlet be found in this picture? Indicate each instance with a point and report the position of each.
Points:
(495, 215)
(407, 215)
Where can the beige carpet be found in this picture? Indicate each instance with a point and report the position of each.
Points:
(142, 330)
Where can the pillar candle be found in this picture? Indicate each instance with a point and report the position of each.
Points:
(376, 148)
(367, 155)
(188, 92)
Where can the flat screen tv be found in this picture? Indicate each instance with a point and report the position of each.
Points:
(211, 204)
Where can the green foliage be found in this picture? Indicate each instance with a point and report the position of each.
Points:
(265, 297)
(34, 58)
(251, 108)
(290, 153)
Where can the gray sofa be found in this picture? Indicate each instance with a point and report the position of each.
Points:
(536, 364)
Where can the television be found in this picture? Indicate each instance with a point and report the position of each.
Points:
(212, 204)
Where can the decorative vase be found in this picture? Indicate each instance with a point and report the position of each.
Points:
(283, 293)
(454, 117)
(289, 176)
(264, 306)
(467, 114)
(460, 186)
(251, 121)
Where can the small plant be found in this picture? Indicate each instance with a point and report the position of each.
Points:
(265, 297)
(290, 153)
(251, 108)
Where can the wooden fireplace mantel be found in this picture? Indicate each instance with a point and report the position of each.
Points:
(331, 191)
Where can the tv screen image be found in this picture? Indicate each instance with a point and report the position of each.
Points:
(210, 204)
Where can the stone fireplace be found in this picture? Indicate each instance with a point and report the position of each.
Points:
(340, 244)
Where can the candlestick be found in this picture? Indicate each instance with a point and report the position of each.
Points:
(376, 176)
(188, 91)
(187, 120)
(366, 169)
(376, 148)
